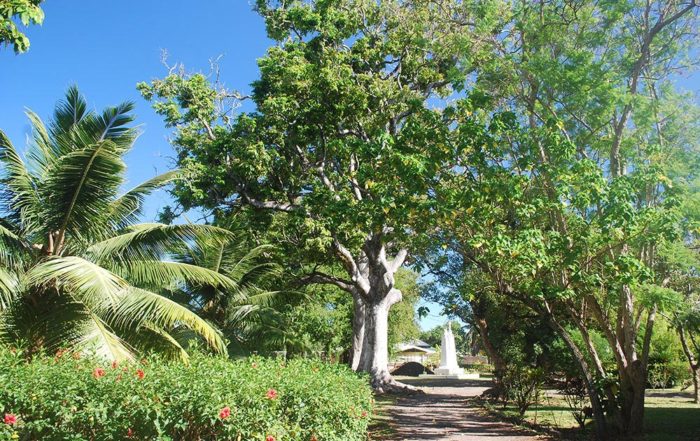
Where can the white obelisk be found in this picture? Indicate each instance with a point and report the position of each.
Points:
(448, 355)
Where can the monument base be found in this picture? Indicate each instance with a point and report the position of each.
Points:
(452, 374)
(444, 371)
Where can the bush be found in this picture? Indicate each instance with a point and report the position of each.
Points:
(521, 386)
(81, 398)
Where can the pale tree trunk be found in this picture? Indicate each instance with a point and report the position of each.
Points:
(375, 351)
(371, 282)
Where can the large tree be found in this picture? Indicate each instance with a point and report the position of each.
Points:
(346, 139)
(565, 207)
(76, 270)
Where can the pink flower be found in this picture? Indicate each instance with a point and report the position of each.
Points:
(254, 365)
(98, 373)
(270, 438)
(129, 433)
(140, 374)
(10, 419)
(115, 364)
(271, 394)
(364, 414)
(225, 413)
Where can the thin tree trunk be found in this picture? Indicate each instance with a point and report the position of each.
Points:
(601, 429)
(694, 364)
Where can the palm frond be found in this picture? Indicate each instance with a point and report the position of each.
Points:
(91, 284)
(126, 209)
(9, 288)
(42, 151)
(18, 197)
(168, 274)
(142, 306)
(152, 240)
(79, 187)
(68, 113)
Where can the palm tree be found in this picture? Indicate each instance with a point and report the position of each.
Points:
(76, 270)
(243, 314)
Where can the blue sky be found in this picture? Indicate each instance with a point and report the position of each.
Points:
(107, 47)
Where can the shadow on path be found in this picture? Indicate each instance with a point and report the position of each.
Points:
(442, 414)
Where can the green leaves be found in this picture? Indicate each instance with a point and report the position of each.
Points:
(28, 12)
(60, 397)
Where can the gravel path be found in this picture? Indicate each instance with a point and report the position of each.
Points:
(442, 414)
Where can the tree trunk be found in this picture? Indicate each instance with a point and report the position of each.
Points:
(358, 331)
(601, 429)
(374, 358)
(632, 388)
(498, 362)
(694, 364)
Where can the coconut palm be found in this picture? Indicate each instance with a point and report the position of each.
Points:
(76, 270)
(239, 313)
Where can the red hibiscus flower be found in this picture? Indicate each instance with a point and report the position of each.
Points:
(225, 413)
(364, 414)
(313, 438)
(271, 394)
(140, 374)
(10, 419)
(270, 438)
(115, 364)
(98, 373)
(129, 433)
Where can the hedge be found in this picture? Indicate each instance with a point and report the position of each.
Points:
(68, 397)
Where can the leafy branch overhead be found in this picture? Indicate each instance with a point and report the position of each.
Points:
(14, 13)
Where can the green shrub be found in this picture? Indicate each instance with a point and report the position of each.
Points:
(211, 398)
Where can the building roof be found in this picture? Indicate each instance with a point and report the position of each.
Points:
(415, 346)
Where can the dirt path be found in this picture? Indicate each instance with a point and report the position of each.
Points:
(441, 414)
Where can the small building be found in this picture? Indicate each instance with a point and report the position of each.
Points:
(414, 350)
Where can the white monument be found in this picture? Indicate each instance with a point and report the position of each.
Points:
(448, 358)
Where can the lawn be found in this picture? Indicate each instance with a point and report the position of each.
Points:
(670, 416)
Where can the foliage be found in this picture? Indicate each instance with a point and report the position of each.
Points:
(27, 12)
(522, 385)
(403, 325)
(76, 270)
(576, 397)
(61, 397)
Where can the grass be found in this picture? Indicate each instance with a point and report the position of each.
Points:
(670, 415)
